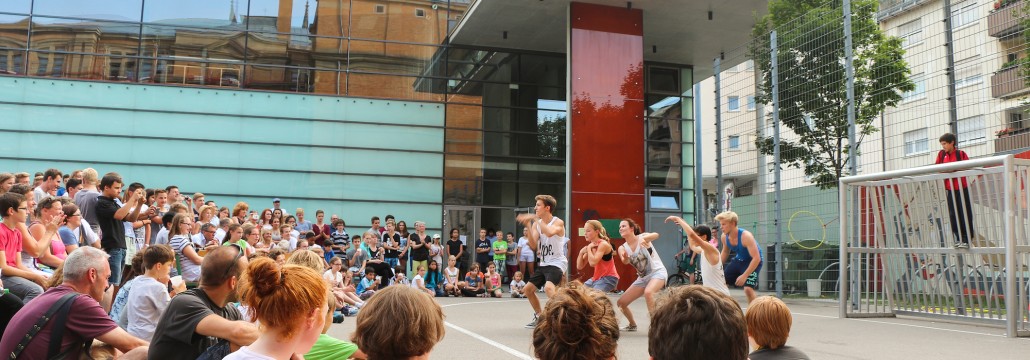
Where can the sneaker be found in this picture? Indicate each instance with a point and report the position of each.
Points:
(532, 324)
(629, 328)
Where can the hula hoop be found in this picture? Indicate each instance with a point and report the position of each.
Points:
(791, 232)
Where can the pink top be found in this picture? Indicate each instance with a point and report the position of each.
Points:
(606, 267)
(10, 243)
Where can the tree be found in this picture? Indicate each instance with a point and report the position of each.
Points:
(812, 80)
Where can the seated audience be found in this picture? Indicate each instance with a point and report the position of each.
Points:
(149, 297)
(14, 240)
(473, 282)
(185, 250)
(368, 285)
(695, 322)
(577, 323)
(85, 273)
(289, 302)
(768, 325)
(198, 319)
(516, 286)
(377, 336)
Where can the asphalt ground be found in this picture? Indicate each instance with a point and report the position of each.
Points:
(479, 328)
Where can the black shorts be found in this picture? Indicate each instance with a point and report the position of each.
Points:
(545, 274)
(736, 268)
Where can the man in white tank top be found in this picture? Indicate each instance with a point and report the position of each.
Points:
(546, 235)
(711, 262)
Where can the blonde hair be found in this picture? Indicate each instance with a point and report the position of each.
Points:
(307, 258)
(768, 322)
(727, 216)
(423, 317)
(90, 176)
(601, 232)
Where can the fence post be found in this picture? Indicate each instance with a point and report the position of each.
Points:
(700, 213)
(718, 138)
(776, 161)
(849, 70)
(1012, 290)
(949, 58)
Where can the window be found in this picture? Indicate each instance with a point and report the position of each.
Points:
(44, 59)
(420, 12)
(911, 33)
(380, 9)
(971, 131)
(968, 76)
(750, 103)
(734, 142)
(733, 103)
(916, 142)
(963, 14)
(919, 92)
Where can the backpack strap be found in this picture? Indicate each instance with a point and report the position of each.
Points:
(67, 299)
(57, 334)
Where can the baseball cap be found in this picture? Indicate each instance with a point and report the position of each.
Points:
(275, 200)
(436, 236)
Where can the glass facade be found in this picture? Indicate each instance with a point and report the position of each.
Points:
(358, 101)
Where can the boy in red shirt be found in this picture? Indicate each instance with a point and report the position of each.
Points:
(959, 207)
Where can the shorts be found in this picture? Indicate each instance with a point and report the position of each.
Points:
(661, 274)
(393, 262)
(130, 249)
(526, 258)
(736, 268)
(605, 283)
(116, 260)
(689, 265)
(545, 274)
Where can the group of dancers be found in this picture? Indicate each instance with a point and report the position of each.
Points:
(546, 233)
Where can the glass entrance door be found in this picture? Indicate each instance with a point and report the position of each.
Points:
(467, 221)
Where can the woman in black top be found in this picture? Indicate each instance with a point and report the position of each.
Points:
(455, 248)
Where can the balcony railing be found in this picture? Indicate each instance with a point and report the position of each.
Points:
(1008, 83)
(1005, 21)
(1010, 143)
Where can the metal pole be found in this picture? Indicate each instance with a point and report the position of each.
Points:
(718, 138)
(776, 161)
(1011, 191)
(949, 52)
(849, 69)
(842, 200)
(699, 199)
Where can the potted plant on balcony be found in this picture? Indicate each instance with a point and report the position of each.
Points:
(1004, 132)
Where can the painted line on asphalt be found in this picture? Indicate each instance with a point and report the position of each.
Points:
(910, 325)
(505, 348)
(516, 353)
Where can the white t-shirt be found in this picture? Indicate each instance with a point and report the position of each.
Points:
(417, 282)
(551, 249)
(147, 301)
(244, 353)
(448, 274)
(333, 280)
(524, 245)
(162, 237)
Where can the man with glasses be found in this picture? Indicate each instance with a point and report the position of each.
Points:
(202, 319)
(15, 238)
(206, 238)
(86, 271)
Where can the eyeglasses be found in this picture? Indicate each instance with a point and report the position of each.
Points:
(232, 265)
(77, 214)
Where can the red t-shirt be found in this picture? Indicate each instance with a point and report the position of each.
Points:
(10, 244)
(945, 157)
(87, 320)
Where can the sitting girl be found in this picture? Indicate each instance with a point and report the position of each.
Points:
(516, 285)
(473, 284)
(493, 280)
(451, 284)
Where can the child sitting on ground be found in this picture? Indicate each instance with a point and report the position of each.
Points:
(367, 286)
(516, 286)
(493, 280)
(473, 282)
(451, 284)
(398, 277)
(419, 283)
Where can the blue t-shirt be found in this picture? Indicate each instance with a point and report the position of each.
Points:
(68, 236)
(364, 284)
(473, 281)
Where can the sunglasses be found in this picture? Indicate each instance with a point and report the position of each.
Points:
(232, 264)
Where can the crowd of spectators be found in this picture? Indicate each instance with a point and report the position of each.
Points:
(153, 273)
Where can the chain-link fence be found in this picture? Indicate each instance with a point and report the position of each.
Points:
(784, 122)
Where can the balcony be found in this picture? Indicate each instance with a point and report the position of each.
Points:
(1013, 141)
(1007, 83)
(1005, 21)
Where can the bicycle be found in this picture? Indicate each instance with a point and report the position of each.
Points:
(681, 277)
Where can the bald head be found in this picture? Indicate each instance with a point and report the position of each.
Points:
(215, 269)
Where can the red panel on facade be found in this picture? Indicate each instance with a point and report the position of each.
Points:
(606, 164)
(607, 19)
